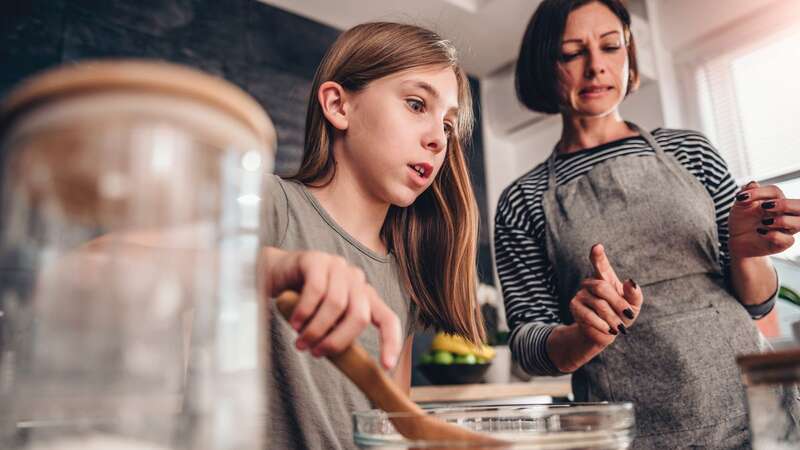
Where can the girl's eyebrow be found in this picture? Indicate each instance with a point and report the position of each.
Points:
(579, 41)
(431, 91)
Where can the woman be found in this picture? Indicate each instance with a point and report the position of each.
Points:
(380, 222)
(662, 205)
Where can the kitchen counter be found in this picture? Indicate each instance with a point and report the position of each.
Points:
(537, 387)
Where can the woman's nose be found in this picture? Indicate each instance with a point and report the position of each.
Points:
(595, 64)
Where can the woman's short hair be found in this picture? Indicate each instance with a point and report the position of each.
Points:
(536, 79)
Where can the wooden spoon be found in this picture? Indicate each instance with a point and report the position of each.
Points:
(364, 372)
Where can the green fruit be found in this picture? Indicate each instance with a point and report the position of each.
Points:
(426, 358)
(443, 357)
(481, 361)
(465, 359)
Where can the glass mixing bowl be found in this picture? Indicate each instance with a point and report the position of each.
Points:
(592, 426)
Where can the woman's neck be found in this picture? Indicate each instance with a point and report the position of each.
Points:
(580, 133)
(354, 209)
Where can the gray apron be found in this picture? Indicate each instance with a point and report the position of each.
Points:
(677, 363)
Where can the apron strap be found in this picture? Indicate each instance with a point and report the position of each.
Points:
(551, 161)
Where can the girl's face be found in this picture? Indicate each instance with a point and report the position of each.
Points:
(398, 132)
(593, 67)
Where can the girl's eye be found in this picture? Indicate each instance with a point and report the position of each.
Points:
(612, 48)
(448, 130)
(415, 105)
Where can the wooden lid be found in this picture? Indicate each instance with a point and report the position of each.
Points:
(93, 76)
(770, 360)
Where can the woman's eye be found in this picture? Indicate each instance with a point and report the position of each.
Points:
(566, 57)
(612, 48)
(415, 105)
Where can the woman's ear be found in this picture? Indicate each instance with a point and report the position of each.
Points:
(332, 98)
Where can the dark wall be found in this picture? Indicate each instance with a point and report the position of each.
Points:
(270, 53)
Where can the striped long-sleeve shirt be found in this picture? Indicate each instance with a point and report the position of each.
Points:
(526, 276)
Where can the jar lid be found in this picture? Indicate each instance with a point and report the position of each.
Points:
(771, 360)
(140, 75)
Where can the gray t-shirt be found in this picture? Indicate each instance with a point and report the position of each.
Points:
(310, 401)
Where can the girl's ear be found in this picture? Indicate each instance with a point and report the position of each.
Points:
(332, 98)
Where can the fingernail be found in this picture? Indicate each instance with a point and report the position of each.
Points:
(301, 345)
(768, 221)
(622, 329)
(768, 205)
(612, 331)
(742, 197)
(762, 230)
(633, 283)
(628, 313)
(316, 352)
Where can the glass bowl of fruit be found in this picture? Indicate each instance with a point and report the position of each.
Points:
(454, 360)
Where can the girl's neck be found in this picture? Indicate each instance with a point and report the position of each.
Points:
(580, 133)
(354, 209)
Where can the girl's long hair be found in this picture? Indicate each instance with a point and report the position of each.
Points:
(434, 239)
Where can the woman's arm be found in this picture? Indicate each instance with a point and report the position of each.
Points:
(402, 372)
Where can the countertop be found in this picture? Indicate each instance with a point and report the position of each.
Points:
(546, 386)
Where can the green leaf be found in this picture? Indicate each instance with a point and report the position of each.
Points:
(789, 294)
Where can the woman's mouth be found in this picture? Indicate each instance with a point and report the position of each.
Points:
(594, 91)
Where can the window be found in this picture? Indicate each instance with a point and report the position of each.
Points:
(748, 103)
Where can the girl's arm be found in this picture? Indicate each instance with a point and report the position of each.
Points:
(336, 303)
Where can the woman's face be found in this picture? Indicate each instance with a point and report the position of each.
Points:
(398, 133)
(593, 67)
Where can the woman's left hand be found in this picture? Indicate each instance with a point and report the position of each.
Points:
(762, 221)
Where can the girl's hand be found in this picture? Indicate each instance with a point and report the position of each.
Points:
(762, 221)
(605, 307)
(336, 302)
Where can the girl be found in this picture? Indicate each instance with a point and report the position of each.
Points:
(663, 207)
(378, 226)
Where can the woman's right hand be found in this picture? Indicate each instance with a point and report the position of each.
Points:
(336, 303)
(604, 307)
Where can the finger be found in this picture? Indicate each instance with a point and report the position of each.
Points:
(352, 324)
(777, 241)
(388, 325)
(587, 316)
(759, 193)
(603, 309)
(785, 224)
(775, 206)
(315, 283)
(634, 296)
(334, 303)
(605, 291)
(602, 267)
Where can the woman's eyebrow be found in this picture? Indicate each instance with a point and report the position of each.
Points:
(579, 41)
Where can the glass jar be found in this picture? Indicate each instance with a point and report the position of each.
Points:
(130, 212)
(590, 426)
(773, 399)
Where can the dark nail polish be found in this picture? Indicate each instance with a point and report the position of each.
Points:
(612, 331)
(762, 230)
(628, 313)
(742, 197)
(622, 329)
(768, 205)
(633, 283)
(768, 221)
